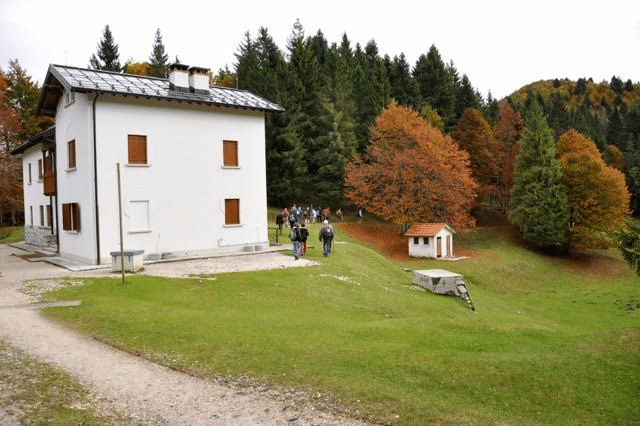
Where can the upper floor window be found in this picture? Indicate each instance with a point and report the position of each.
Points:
(40, 169)
(230, 153)
(137, 149)
(71, 151)
(29, 174)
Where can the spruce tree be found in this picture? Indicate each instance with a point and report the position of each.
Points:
(108, 58)
(158, 60)
(539, 204)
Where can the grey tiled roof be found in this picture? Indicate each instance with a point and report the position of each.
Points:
(60, 78)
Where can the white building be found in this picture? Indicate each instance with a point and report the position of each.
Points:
(192, 165)
(430, 240)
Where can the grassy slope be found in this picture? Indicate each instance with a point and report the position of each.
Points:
(549, 344)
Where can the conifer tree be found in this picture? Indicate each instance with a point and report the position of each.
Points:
(107, 57)
(434, 79)
(539, 204)
(507, 130)
(159, 59)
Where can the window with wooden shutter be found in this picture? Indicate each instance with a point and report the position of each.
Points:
(137, 149)
(49, 216)
(29, 173)
(71, 217)
(232, 211)
(41, 215)
(71, 150)
(40, 169)
(230, 153)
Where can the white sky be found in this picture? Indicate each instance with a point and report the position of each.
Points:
(500, 44)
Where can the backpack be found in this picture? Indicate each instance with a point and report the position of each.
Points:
(327, 231)
(294, 234)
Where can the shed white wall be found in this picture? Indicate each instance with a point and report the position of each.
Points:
(427, 246)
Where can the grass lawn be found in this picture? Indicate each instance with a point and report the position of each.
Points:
(553, 341)
(11, 234)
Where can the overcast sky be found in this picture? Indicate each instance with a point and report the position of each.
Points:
(500, 44)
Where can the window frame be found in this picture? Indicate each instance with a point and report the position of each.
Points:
(71, 217)
(137, 150)
(232, 212)
(230, 157)
(71, 155)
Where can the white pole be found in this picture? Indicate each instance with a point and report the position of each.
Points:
(120, 218)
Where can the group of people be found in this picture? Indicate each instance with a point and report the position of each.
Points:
(307, 216)
(297, 219)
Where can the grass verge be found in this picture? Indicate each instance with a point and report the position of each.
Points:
(35, 393)
(551, 341)
(11, 234)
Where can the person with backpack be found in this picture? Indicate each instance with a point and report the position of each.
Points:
(280, 220)
(294, 235)
(326, 236)
(304, 234)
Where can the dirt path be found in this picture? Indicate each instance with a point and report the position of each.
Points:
(147, 393)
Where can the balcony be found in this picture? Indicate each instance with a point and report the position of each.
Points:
(49, 180)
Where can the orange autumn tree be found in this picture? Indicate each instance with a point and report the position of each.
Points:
(474, 135)
(411, 173)
(598, 195)
(507, 129)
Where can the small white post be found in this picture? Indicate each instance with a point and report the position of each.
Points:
(120, 219)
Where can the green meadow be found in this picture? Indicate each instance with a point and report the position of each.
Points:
(553, 341)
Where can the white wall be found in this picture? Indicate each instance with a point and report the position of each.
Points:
(74, 122)
(184, 184)
(33, 190)
(427, 246)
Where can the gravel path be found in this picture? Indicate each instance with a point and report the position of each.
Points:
(144, 392)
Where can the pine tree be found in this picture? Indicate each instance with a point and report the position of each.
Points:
(404, 89)
(435, 81)
(539, 204)
(158, 60)
(107, 57)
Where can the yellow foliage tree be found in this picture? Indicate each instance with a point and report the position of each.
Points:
(598, 195)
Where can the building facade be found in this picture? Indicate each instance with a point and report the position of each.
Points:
(191, 162)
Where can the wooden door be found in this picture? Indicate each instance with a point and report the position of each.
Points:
(439, 247)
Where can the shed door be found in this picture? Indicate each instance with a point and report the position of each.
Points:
(439, 247)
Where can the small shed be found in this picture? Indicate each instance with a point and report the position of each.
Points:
(430, 240)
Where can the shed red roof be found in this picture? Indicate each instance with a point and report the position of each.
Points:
(426, 229)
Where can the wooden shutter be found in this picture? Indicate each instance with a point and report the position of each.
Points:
(230, 153)
(40, 169)
(72, 154)
(232, 211)
(137, 149)
(66, 217)
(49, 216)
(75, 216)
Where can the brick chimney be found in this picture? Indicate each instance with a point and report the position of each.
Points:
(179, 77)
(199, 80)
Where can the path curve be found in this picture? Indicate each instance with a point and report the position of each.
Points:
(148, 394)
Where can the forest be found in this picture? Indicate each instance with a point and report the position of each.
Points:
(333, 92)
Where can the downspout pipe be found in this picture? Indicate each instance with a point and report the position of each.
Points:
(95, 181)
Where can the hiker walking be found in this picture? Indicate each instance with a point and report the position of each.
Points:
(304, 234)
(294, 235)
(326, 236)
(280, 220)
